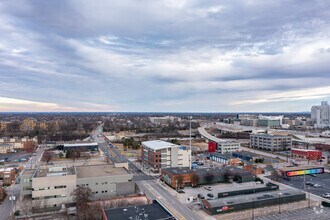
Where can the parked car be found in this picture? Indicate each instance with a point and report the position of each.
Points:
(209, 188)
(200, 196)
(316, 185)
(181, 191)
(200, 163)
(210, 195)
(326, 195)
(309, 183)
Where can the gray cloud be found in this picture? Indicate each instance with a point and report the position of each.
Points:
(166, 55)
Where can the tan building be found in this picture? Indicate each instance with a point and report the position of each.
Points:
(28, 124)
(52, 187)
(3, 125)
(7, 175)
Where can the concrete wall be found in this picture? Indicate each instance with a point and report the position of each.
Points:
(124, 189)
(106, 186)
(46, 186)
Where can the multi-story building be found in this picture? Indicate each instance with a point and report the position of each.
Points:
(7, 175)
(228, 146)
(28, 124)
(160, 154)
(53, 186)
(164, 120)
(3, 125)
(270, 142)
(321, 114)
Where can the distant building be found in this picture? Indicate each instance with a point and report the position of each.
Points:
(160, 154)
(164, 120)
(52, 186)
(226, 159)
(321, 114)
(270, 142)
(28, 124)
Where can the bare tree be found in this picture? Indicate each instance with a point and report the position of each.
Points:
(86, 210)
(47, 156)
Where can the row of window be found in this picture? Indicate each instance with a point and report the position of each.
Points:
(50, 187)
(96, 184)
(103, 191)
(49, 197)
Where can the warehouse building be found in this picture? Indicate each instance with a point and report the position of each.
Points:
(82, 146)
(178, 177)
(226, 159)
(258, 200)
(157, 155)
(307, 154)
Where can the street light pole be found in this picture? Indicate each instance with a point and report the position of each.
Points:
(279, 203)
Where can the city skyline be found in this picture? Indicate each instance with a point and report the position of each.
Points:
(164, 56)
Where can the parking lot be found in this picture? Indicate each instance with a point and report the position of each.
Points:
(15, 157)
(322, 179)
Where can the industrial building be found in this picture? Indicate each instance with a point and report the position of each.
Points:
(270, 142)
(307, 154)
(157, 155)
(52, 186)
(257, 200)
(154, 211)
(246, 156)
(177, 177)
(226, 159)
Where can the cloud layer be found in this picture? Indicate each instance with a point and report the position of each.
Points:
(170, 55)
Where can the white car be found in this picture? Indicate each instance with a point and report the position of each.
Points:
(316, 185)
(326, 195)
(209, 188)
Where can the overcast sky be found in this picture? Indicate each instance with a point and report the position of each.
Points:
(164, 55)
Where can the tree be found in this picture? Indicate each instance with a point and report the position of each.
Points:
(47, 156)
(81, 195)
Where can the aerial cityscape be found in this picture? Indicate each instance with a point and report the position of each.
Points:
(164, 110)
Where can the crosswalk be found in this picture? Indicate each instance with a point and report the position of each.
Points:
(300, 214)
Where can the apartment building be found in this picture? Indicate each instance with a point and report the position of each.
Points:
(270, 142)
(50, 187)
(159, 154)
(320, 114)
(28, 124)
(7, 175)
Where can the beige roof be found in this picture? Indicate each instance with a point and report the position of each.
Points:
(99, 171)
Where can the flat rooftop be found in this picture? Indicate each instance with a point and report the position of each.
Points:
(152, 211)
(99, 170)
(158, 144)
(240, 199)
(300, 168)
(29, 172)
(55, 171)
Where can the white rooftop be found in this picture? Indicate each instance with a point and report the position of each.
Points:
(158, 144)
(81, 144)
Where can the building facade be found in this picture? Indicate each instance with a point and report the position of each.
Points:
(270, 142)
(50, 187)
(228, 146)
(306, 154)
(160, 154)
(321, 114)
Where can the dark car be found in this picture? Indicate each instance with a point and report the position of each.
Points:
(181, 191)
(210, 195)
(309, 183)
(200, 196)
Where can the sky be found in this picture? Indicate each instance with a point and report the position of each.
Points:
(164, 55)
